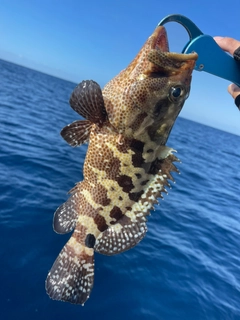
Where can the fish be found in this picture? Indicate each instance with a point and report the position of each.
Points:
(127, 166)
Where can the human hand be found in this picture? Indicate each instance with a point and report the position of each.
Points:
(231, 45)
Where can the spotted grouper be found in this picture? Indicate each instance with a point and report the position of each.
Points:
(127, 164)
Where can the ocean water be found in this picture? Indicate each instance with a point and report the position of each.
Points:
(187, 266)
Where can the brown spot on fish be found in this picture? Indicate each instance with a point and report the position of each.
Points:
(101, 196)
(100, 222)
(125, 220)
(125, 182)
(116, 213)
(143, 183)
(124, 147)
(80, 233)
(137, 158)
(137, 145)
(135, 196)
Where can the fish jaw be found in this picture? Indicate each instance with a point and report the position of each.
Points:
(148, 95)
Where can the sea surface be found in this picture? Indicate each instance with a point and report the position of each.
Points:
(188, 265)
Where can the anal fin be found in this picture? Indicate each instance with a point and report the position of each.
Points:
(77, 132)
(122, 236)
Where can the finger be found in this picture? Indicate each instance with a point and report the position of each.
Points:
(234, 90)
(227, 44)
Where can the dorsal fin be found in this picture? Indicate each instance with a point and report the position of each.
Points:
(77, 132)
(131, 227)
(87, 100)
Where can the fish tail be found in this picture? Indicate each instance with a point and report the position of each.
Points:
(72, 274)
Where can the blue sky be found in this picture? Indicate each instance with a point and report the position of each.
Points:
(76, 40)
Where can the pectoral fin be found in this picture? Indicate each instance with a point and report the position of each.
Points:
(87, 100)
(77, 132)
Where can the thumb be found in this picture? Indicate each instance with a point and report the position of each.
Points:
(227, 44)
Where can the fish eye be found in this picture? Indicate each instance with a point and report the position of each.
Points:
(176, 92)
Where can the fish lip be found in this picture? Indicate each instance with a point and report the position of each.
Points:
(160, 42)
(182, 56)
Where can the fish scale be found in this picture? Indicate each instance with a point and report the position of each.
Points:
(127, 165)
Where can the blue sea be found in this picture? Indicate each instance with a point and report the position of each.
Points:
(188, 265)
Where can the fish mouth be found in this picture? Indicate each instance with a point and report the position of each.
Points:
(161, 62)
(160, 43)
(160, 40)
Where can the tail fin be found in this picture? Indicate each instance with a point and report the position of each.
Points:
(71, 276)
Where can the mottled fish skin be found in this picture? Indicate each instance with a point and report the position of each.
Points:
(127, 165)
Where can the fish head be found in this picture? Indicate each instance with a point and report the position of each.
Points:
(148, 95)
